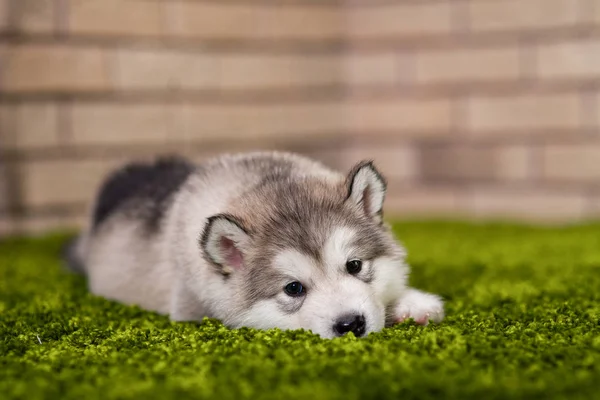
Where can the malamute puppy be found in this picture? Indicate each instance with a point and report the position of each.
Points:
(262, 240)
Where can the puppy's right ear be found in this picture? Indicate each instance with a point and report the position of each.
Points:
(225, 241)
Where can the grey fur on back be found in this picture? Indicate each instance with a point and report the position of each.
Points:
(72, 257)
(144, 190)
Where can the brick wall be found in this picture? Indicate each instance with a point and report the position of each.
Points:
(482, 108)
(491, 107)
(88, 84)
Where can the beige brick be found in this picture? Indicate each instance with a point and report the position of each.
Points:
(48, 67)
(3, 15)
(498, 114)
(35, 225)
(332, 158)
(35, 16)
(396, 162)
(3, 56)
(7, 126)
(503, 162)
(259, 121)
(401, 116)
(513, 162)
(372, 68)
(175, 70)
(488, 15)
(572, 162)
(4, 186)
(422, 201)
(76, 221)
(146, 69)
(457, 162)
(467, 65)
(122, 124)
(241, 71)
(61, 182)
(27, 126)
(528, 204)
(594, 207)
(115, 17)
(593, 15)
(576, 59)
(6, 226)
(400, 20)
(200, 158)
(256, 21)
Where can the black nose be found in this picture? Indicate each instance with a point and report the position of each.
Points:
(350, 323)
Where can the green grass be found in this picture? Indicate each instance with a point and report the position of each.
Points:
(523, 311)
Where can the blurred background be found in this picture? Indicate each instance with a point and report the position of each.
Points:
(472, 108)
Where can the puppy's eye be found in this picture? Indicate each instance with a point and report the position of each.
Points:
(354, 266)
(294, 289)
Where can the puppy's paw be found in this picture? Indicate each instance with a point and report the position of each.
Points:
(422, 307)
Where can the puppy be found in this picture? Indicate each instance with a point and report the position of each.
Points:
(262, 240)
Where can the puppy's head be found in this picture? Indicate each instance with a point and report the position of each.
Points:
(309, 254)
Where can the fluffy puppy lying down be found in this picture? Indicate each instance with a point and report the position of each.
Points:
(262, 240)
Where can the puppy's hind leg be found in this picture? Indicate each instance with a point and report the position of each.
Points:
(185, 305)
(73, 254)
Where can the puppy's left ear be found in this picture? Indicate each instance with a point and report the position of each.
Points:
(366, 188)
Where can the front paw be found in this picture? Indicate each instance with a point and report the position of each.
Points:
(420, 306)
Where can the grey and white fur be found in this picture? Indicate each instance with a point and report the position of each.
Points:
(262, 240)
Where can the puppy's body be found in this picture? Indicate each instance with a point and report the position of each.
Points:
(258, 239)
